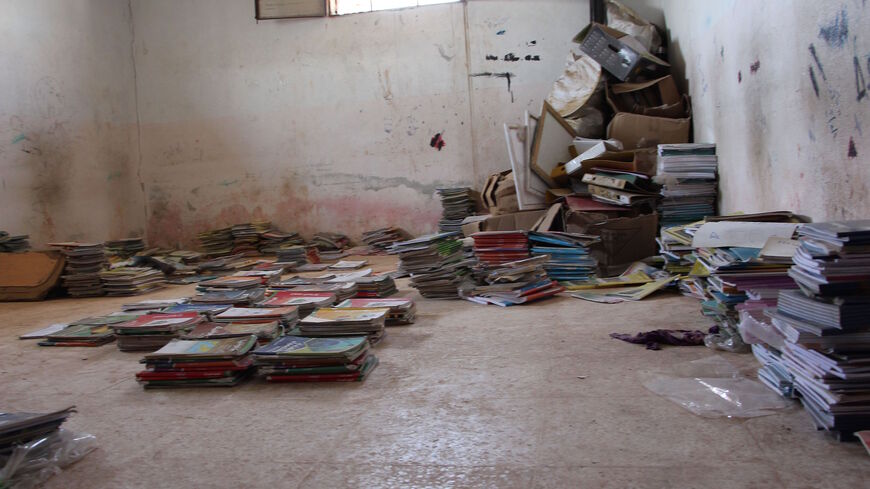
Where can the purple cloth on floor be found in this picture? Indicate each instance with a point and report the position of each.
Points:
(652, 339)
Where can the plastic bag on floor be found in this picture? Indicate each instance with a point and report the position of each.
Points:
(714, 387)
(33, 463)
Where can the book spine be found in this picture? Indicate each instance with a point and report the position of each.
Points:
(604, 181)
(610, 195)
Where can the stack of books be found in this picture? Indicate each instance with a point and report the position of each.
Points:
(676, 249)
(325, 241)
(497, 247)
(286, 315)
(84, 261)
(376, 286)
(306, 302)
(236, 297)
(273, 240)
(246, 239)
(125, 248)
(826, 327)
(266, 277)
(207, 311)
(217, 242)
(198, 363)
(622, 188)
(568, 255)
(265, 331)
(342, 290)
(17, 429)
(512, 283)
(401, 310)
(225, 264)
(688, 175)
(150, 332)
(331, 321)
(152, 305)
(13, 243)
(306, 359)
(131, 280)
(436, 264)
(383, 238)
(230, 282)
(80, 334)
(348, 265)
(292, 254)
(457, 204)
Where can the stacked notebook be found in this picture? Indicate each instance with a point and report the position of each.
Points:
(246, 238)
(285, 315)
(341, 290)
(152, 305)
(218, 242)
(18, 428)
(376, 286)
(622, 188)
(688, 175)
(273, 240)
(401, 311)
(568, 255)
(150, 332)
(13, 243)
(512, 283)
(826, 324)
(292, 254)
(265, 331)
(206, 310)
(131, 280)
(198, 363)
(306, 302)
(436, 264)
(125, 248)
(306, 359)
(331, 321)
(383, 238)
(497, 247)
(84, 261)
(457, 204)
(82, 334)
(265, 276)
(325, 241)
(237, 297)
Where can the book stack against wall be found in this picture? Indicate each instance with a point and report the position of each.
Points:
(273, 240)
(512, 283)
(131, 280)
(291, 254)
(150, 332)
(151, 305)
(266, 277)
(376, 286)
(457, 204)
(306, 359)
(330, 245)
(125, 248)
(246, 238)
(568, 255)
(332, 321)
(436, 264)
(688, 175)
(225, 265)
(401, 310)
(216, 242)
(675, 247)
(84, 261)
(199, 363)
(383, 238)
(497, 247)
(11, 243)
(305, 302)
(826, 324)
(622, 188)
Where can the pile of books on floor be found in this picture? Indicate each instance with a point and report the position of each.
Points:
(152, 305)
(622, 188)
(286, 316)
(457, 204)
(150, 332)
(84, 261)
(568, 255)
(675, 248)
(333, 321)
(383, 238)
(401, 310)
(131, 280)
(237, 297)
(305, 301)
(273, 240)
(125, 248)
(688, 175)
(265, 277)
(292, 255)
(17, 429)
(199, 363)
(342, 290)
(217, 242)
(512, 283)
(436, 264)
(80, 333)
(306, 359)
(330, 244)
(265, 331)
(376, 286)
(246, 239)
(826, 325)
(497, 247)
(13, 243)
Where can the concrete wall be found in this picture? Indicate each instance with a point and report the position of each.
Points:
(325, 124)
(782, 87)
(68, 157)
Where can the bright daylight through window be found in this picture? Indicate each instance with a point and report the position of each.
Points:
(341, 7)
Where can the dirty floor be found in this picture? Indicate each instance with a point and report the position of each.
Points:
(535, 396)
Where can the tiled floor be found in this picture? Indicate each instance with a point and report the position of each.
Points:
(470, 396)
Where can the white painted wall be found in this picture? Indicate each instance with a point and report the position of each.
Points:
(68, 156)
(781, 145)
(325, 124)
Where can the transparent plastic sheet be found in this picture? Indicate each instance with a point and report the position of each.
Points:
(31, 464)
(727, 339)
(714, 387)
(754, 330)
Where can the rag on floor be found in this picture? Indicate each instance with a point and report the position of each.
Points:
(653, 339)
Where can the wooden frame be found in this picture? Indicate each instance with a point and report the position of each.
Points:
(553, 138)
(278, 9)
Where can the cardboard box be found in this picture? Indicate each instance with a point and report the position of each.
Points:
(617, 52)
(624, 240)
(657, 98)
(500, 194)
(643, 131)
(639, 160)
(506, 222)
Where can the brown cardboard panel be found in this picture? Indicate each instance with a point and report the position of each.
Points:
(29, 276)
(643, 131)
(623, 240)
(506, 222)
(658, 98)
